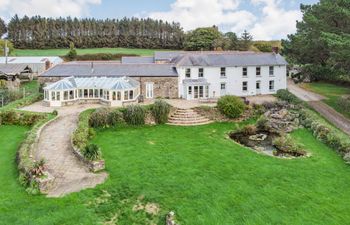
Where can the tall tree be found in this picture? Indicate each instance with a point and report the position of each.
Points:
(202, 39)
(232, 41)
(322, 40)
(245, 41)
(3, 28)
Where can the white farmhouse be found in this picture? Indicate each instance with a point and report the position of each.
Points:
(186, 75)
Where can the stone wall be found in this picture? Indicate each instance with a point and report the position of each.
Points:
(165, 87)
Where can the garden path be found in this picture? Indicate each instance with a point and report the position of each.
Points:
(314, 100)
(71, 175)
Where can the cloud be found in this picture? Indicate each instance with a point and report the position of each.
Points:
(201, 13)
(47, 8)
(271, 22)
(276, 22)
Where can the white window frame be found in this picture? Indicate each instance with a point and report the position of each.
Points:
(223, 72)
(245, 86)
(245, 71)
(272, 84)
(149, 90)
(188, 73)
(258, 71)
(271, 71)
(200, 73)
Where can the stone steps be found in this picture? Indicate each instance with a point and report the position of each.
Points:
(187, 117)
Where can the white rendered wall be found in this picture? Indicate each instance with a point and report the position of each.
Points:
(234, 79)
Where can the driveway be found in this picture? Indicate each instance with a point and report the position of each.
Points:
(71, 175)
(315, 101)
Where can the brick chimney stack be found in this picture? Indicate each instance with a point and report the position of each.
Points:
(275, 50)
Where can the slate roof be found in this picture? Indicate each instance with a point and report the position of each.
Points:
(134, 59)
(111, 70)
(13, 69)
(107, 83)
(230, 59)
(31, 59)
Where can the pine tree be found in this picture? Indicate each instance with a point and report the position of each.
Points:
(245, 42)
(3, 28)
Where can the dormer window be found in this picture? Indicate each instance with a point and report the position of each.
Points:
(188, 73)
(200, 72)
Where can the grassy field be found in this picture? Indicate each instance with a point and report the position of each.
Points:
(195, 171)
(332, 91)
(62, 52)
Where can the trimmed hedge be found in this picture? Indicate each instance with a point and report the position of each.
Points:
(83, 133)
(285, 95)
(231, 106)
(135, 115)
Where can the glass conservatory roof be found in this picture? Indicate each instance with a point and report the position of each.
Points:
(107, 83)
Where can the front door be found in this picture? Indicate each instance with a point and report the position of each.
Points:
(149, 90)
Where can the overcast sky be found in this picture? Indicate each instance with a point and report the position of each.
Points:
(265, 19)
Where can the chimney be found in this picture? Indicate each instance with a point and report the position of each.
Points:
(275, 50)
(92, 67)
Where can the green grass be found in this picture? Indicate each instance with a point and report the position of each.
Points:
(196, 171)
(31, 87)
(62, 52)
(332, 92)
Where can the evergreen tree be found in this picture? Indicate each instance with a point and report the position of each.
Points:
(3, 28)
(72, 54)
(245, 41)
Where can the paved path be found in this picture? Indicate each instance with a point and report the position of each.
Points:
(314, 100)
(54, 146)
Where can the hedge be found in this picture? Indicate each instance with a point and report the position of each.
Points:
(231, 106)
(22, 102)
(287, 96)
(84, 132)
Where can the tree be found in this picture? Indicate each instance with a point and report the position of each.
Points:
(2, 47)
(3, 28)
(232, 41)
(245, 41)
(322, 40)
(202, 39)
(72, 54)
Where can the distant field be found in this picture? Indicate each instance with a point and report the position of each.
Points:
(61, 52)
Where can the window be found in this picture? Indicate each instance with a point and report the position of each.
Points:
(53, 94)
(101, 93)
(188, 73)
(206, 91)
(245, 71)
(65, 95)
(258, 71)
(58, 96)
(71, 94)
(131, 94)
(107, 94)
(200, 72)
(80, 93)
(119, 96)
(201, 91)
(86, 95)
(222, 72)
(272, 85)
(96, 93)
(126, 95)
(271, 70)
(245, 86)
(190, 90)
(114, 96)
(223, 86)
(91, 93)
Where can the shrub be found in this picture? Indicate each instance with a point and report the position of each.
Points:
(115, 117)
(83, 133)
(92, 152)
(55, 112)
(160, 111)
(99, 118)
(285, 95)
(231, 106)
(249, 130)
(261, 123)
(134, 115)
(344, 103)
(287, 145)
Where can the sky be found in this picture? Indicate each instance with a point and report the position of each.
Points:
(264, 19)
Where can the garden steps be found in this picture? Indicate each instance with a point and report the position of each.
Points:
(187, 117)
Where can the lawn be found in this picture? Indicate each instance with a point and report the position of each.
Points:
(62, 52)
(195, 171)
(332, 91)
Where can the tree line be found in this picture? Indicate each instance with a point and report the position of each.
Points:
(321, 45)
(41, 33)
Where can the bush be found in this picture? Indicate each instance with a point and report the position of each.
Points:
(344, 103)
(134, 115)
(83, 133)
(231, 106)
(249, 130)
(285, 95)
(287, 145)
(160, 111)
(92, 152)
(22, 118)
(115, 117)
(55, 112)
(261, 123)
(99, 118)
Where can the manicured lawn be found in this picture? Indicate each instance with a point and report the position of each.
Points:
(195, 171)
(61, 52)
(332, 91)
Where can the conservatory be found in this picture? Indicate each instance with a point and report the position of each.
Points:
(111, 91)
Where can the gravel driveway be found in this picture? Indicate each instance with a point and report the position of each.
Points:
(54, 146)
(314, 100)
